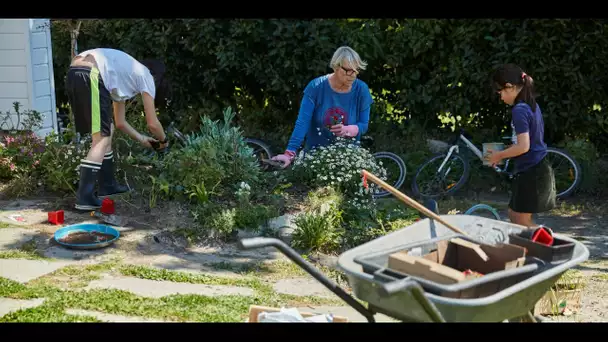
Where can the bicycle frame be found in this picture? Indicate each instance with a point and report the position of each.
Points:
(475, 151)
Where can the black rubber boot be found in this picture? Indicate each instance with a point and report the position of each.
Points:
(107, 182)
(85, 196)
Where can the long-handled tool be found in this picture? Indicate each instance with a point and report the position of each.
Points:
(409, 201)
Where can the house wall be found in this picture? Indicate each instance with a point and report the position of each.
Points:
(26, 70)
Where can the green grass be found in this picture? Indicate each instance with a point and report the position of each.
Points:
(28, 250)
(149, 273)
(580, 206)
(12, 289)
(4, 225)
(171, 308)
(47, 312)
(20, 254)
(601, 276)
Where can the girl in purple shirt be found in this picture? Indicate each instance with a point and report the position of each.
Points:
(533, 187)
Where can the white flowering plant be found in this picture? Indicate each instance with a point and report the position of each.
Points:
(243, 193)
(339, 166)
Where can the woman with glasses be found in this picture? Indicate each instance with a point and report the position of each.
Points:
(333, 105)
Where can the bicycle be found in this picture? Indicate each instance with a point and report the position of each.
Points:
(390, 161)
(442, 185)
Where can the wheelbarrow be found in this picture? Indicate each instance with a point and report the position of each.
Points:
(410, 299)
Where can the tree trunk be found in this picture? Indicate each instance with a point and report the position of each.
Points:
(74, 35)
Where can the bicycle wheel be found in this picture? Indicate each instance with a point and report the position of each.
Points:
(395, 171)
(261, 150)
(429, 183)
(568, 175)
(483, 210)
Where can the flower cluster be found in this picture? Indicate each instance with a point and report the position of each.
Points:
(339, 165)
(243, 192)
(19, 154)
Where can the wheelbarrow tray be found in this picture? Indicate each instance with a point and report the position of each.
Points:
(511, 302)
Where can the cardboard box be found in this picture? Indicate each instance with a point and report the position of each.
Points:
(452, 258)
(255, 310)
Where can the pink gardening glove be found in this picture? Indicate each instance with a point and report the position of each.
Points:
(285, 158)
(345, 131)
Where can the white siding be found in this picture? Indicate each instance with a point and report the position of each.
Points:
(14, 79)
(26, 69)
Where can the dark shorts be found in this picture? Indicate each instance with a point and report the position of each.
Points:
(533, 190)
(90, 101)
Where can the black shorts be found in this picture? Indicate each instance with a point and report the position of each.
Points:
(90, 101)
(533, 190)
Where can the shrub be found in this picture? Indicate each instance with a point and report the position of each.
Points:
(318, 231)
(339, 165)
(60, 162)
(19, 155)
(20, 147)
(27, 121)
(214, 160)
(594, 168)
(431, 72)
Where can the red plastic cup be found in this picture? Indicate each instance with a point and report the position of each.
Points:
(56, 217)
(107, 206)
(544, 236)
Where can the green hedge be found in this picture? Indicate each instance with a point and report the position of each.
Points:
(423, 73)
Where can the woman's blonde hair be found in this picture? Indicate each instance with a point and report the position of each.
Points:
(347, 54)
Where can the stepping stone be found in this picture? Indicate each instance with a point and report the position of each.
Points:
(106, 317)
(303, 287)
(23, 205)
(62, 253)
(13, 238)
(172, 263)
(23, 271)
(157, 289)
(8, 305)
(29, 216)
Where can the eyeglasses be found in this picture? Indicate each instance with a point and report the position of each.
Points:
(350, 72)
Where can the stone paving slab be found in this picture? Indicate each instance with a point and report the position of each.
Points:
(66, 254)
(30, 217)
(303, 287)
(157, 289)
(106, 317)
(8, 305)
(13, 238)
(23, 271)
(173, 263)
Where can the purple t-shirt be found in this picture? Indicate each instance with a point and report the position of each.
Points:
(525, 120)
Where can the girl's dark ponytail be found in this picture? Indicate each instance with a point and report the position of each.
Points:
(527, 91)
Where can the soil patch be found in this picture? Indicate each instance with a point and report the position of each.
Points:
(83, 238)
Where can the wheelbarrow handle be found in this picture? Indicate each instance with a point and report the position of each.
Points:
(408, 285)
(258, 242)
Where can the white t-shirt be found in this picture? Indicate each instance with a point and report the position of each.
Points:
(123, 75)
